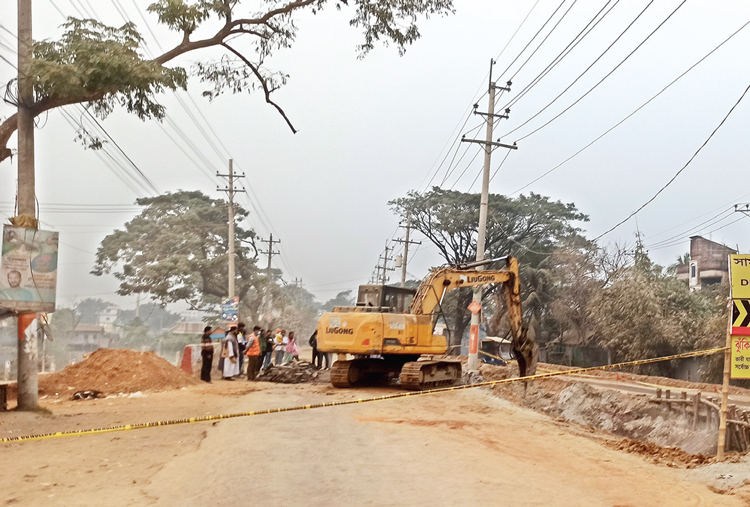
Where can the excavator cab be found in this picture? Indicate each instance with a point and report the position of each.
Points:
(381, 299)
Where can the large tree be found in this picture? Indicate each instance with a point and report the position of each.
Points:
(528, 227)
(176, 250)
(102, 67)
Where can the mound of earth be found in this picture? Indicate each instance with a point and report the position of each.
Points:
(114, 371)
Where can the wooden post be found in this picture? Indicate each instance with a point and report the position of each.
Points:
(725, 392)
(683, 396)
(658, 393)
(667, 396)
(696, 409)
(740, 429)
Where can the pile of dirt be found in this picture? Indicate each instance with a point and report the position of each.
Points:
(670, 456)
(295, 373)
(115, 371)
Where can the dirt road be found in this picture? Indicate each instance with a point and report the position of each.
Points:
(459, 448)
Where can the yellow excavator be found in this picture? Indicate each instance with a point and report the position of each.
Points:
(391, 327)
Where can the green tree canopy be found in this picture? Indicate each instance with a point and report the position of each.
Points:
(528, 227)
(101, 66)
(176, 250)
(344, 298)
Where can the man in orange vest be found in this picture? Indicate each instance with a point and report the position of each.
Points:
(253, 353)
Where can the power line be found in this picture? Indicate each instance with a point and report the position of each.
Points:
(543, 41)
(709, 232)
(634, 112)
(596, 60)
(678, 172)
(566, 51)
(76, 126)
(600, 81)
(692, 230)
(532, 39)
(135, 166)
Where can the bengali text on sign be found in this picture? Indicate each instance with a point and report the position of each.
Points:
(740, 357)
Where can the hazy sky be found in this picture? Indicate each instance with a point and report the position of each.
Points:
(372, 129)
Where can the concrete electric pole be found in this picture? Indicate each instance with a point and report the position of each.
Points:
(406, 243)
(230, 190)
(382, 276)
(28, 394)
(270, 253)
(489, 144)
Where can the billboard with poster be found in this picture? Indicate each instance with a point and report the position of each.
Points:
(230, 309)
(28, 270)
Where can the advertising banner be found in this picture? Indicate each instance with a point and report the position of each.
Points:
(28, 270)
(230, 309)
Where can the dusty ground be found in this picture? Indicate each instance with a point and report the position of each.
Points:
(456, 448)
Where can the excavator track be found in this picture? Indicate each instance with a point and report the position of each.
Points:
(340, 374)
(419, 375)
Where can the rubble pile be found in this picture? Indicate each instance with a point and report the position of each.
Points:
(295, 373)
(115, 371)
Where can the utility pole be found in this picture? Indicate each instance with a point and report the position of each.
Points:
(406, 243)
(270, 253)
(489, 144)
(383, 270)
(742, 208)
(28, 392)
(230, 190)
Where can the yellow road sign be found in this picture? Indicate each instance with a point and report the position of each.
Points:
(739, 273)
(740, 357)
(741, 317)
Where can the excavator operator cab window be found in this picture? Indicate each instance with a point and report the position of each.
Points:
(398, 300)
(384, 298)
(370, 299)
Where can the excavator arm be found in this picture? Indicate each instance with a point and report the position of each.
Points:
(433, 287)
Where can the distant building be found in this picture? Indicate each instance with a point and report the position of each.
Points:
(709, 263)
(192, 328)
(107, 319)
(195, 316)
(87, 338)
(191, 323)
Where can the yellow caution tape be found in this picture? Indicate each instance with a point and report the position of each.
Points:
(406, 394)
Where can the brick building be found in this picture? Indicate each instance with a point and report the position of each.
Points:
(709, 263)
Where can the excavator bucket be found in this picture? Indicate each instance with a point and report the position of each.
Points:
(526, 352)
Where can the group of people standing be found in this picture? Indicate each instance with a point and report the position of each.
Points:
(248, 354)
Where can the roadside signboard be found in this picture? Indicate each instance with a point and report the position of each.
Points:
(475, 307)
(739, 318)
(739, 274)
(28, 270)
(740, 357)
(230, 309)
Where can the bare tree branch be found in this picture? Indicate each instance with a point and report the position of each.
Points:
(262, 83)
